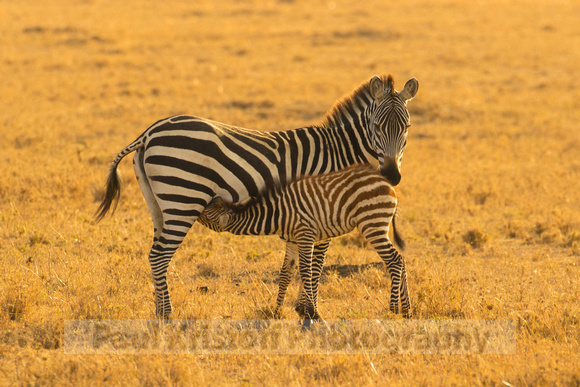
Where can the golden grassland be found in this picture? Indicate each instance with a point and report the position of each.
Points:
(488, 201)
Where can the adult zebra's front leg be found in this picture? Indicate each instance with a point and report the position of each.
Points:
(286, 274)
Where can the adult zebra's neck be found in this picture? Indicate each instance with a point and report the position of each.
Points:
(342, 139)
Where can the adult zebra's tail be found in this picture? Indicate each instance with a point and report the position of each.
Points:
(113, 186)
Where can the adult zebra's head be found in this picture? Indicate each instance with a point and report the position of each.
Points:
(388, 121)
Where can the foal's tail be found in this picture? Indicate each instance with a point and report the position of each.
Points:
(113, 186)
(396, 236)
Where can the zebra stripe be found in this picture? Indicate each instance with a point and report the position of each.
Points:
(315, 209)
(182, 163)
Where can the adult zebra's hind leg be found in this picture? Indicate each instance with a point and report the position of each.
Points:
(395, 263)
(169, 231)
(162, 301)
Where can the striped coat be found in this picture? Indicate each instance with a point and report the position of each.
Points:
(182, 163)
(315, 209)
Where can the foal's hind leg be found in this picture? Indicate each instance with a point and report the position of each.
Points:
(405, 301)
(395, 263)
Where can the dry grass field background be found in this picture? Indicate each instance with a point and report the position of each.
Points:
(489, 199)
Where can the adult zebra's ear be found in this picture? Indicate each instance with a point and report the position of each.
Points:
(409, 90)
(377, 87)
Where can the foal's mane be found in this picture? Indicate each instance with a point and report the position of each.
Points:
(278, 187)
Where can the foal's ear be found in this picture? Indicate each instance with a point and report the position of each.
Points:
(377, 87)
(215, 201)
(246, 202)
(223, 220)
(409, 91)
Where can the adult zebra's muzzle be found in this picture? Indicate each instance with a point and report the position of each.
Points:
(390, 170)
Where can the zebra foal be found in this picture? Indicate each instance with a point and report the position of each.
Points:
(315, 209)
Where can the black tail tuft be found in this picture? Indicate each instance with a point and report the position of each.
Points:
(396, 236)
(112, 194)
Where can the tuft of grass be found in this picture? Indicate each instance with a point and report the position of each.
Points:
(14, 306)
(207, 271)
(16, 302)
(354, 239)
(475, 238)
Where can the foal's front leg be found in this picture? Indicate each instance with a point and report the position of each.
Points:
(305, 244)
(318, 258)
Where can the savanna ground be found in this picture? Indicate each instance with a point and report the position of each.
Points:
(488, 201)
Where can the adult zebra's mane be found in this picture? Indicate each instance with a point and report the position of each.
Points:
(360, 96)
(361, 93)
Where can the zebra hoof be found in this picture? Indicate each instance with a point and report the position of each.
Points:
(308, 323)
(311, 312)
(300, 310)
(301, 314)
(163, 312)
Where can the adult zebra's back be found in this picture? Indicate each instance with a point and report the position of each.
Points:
(182, 163)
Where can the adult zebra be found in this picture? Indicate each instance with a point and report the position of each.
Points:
(182, 163)
(317, 208)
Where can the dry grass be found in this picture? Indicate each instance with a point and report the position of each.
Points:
(489, 196)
